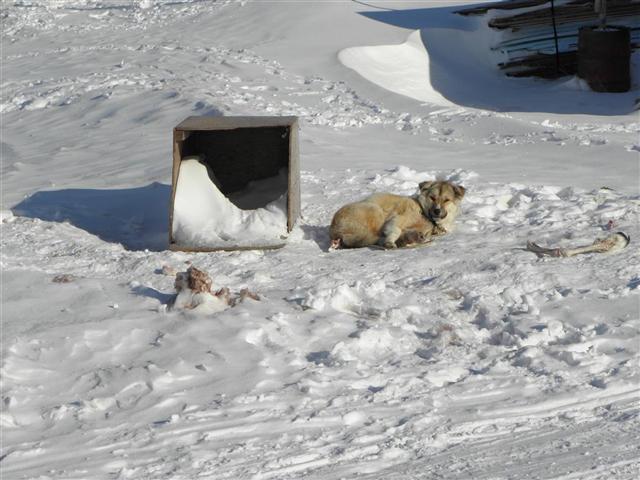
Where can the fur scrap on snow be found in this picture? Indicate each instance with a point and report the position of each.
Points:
(193, 292)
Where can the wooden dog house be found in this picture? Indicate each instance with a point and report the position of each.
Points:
(238, 151)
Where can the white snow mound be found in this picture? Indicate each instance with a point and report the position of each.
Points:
(402, 69)
(204, 217)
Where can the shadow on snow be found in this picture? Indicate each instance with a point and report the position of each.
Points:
(137, 218)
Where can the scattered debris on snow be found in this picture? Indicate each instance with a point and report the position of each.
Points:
(63, 278)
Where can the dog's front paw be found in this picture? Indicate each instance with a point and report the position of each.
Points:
(439, 230)
(389, 245)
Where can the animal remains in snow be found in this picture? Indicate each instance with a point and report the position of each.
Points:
(611, 244)
(393, 221)
(193, 289)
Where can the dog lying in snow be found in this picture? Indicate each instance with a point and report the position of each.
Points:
(394, 221)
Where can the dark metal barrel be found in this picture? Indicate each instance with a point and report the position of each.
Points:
(603, 58)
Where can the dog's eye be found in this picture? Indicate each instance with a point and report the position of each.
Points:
(446, 200)
(432, 198)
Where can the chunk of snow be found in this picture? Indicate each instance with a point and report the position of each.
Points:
(6, 216)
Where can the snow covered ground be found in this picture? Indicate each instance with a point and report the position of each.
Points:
(470, 358)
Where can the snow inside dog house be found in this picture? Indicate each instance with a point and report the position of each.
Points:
(236, 183)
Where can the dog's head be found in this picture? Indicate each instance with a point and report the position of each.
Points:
(440, 199)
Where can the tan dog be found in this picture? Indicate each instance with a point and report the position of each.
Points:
(395, 220)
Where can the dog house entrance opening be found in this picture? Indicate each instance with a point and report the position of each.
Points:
(232, 189)
(249, 165)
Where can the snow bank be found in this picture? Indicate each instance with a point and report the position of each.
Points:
(204, 218)
(403, 69)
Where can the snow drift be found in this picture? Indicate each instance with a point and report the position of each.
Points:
(203, 217)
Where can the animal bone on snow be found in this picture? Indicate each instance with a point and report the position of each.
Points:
(613, 243)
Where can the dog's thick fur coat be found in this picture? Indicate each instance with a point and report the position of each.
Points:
(395, 220)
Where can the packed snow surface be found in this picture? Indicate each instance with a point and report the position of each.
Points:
(203, 217)
(471, 358)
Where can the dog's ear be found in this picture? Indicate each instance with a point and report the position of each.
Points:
(459, 191)
(423, 185)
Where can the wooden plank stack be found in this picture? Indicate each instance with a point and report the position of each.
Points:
(527, 44)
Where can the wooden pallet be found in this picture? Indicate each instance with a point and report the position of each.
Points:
(565, 14)
(509, 5)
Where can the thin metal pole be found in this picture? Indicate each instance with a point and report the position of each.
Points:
(601, 8)
(555, 36)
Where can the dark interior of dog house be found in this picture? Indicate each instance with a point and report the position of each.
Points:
(241, 156)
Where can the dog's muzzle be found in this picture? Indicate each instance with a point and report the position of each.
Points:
(438, 214)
